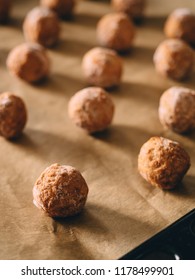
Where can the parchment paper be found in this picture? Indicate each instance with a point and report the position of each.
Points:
(122, 209)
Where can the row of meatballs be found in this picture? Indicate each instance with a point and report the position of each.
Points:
(61, 190)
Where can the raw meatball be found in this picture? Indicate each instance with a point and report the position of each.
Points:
(64, 8)
(174, 58)
(41, 25)
(115, 31)
(134, 8)
(181, 24)
(177, 109)
(102, 67)
(28, 61)
(13, 115)
(92, 109)
(163, 163)
(60, 191)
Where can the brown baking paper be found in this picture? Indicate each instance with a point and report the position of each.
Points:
(122, 209)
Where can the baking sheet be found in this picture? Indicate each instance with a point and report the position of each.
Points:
(122, 209)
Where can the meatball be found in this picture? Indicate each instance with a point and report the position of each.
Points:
(133, 8)
(13, 115)
(115, 31)
(163, 163)
(91, 109)
(60, 191)
(102, 67)
(64, 8)
(29, 62)
(181, 25)
(174, 58)
(41, 25)
(177, 109)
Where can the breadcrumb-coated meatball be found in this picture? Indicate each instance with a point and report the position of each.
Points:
(173, 58)
(102, 67)
(177, 109)
(41, 25)
(163, 163)
(91, 109)
(115, 31)
(181, 24)
(13, 115)
(64, 8)
(5, 6)
(60, 191)
(28, 61)
(133, 8)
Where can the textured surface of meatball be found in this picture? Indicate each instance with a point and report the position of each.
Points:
(28, 61)
(177, 109)
(173, 58)
(91, 109)
(60, 191)
(181, 24)
(102, 67)
(115, 31)
(163, 163)
(41, 25)
(13, 115)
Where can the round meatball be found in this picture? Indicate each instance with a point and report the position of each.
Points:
(177, 109)
(181, 24)
(134, 8)
(91, 109)
(102, 67)
(115, 31)
(5, 6)
(163, 163)
(64, 8)
(13, 115)
(173, 58)
(28, 61)
(60, 191)
(41, 25)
